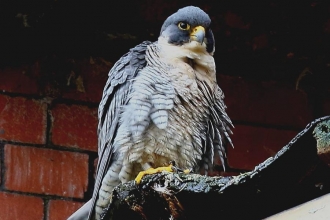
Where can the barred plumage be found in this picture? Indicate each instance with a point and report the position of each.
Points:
(161, 103)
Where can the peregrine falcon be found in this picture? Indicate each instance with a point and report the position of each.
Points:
(161, 103)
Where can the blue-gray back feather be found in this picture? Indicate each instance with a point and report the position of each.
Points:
(115, 95)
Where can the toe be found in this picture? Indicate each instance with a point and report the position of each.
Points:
(152, 171)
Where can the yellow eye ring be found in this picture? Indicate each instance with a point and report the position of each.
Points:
(184, 26)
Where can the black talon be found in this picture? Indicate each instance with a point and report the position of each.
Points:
(175, 168)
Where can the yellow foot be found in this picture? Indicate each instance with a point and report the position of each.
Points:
(187, 171)
(152, 171)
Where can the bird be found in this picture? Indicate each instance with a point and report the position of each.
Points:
(161, 103)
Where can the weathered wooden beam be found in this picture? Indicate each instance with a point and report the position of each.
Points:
(294, 175)
(318, 208)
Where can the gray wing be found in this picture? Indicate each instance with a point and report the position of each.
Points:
(114, 97)
(218, 129)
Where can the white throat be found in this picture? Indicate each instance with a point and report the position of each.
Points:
(191, 53)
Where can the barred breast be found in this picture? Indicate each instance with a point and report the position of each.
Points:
(165, 119)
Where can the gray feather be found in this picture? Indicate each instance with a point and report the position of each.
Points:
(153, 111)
(114, 96)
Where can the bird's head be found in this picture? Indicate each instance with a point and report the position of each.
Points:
(189, 24)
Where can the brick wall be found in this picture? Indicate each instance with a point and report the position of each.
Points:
(48, 139)
(48, 142)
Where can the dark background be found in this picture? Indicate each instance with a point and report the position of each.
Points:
(263, 40)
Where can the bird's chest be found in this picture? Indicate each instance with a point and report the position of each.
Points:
(178, 141)
(176, 117)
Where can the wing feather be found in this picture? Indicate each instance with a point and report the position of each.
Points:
(115, 95)
(218, 127)
(222, 122)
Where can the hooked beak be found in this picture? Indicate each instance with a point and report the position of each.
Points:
(198, 34)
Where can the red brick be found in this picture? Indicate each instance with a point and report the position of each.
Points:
(235, 21)
(22, 120)
(24, 80)
(253, 145)
(60, 209)
(0, 172)
(46, 171)
(18, 81)
(266, 102)
(96, 160)
(94, 75)
(326, 107)
(74, 126)
(13, 206)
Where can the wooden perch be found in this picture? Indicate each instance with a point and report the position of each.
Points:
(294, 175)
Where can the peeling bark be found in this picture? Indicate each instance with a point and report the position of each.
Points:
(294, 175)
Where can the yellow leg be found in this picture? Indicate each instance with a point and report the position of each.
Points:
(152, 171)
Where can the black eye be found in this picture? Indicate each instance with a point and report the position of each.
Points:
(183, 26)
